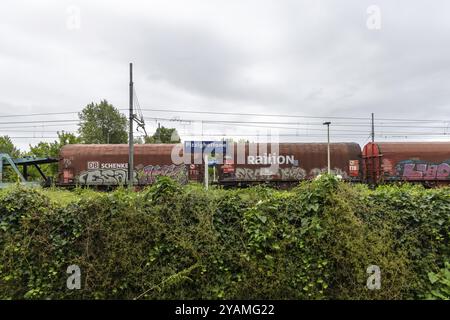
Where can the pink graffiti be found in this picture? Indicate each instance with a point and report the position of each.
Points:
(151, 172)
(423, 171)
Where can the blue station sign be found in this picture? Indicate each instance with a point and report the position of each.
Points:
(205, 147)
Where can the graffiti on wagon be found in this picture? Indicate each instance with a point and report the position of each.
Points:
(421, 170)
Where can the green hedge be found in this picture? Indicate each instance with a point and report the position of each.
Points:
(172, 242)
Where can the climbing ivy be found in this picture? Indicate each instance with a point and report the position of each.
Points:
(181, 242)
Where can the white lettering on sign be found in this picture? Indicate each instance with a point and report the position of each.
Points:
(114, 165)
(92, 165)
(272, 159)
(95, 165)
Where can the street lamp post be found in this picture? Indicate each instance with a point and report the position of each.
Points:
(328, 145)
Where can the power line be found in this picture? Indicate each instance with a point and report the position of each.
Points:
(183, 110)
(251, 114)
(290, 115)
(305, 134)
(40, 126)
(38, 121)
(285, 123)
(334, 130)
(32, 131)
(35, 114)
(231, 113)
(64, 123)
(52, 137)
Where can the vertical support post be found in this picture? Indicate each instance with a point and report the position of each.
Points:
(329, 158)
(130, 134)
(1, 168)
(206, 172)
(373, 129)
(372, 134)
(159, 133)
(328, 146)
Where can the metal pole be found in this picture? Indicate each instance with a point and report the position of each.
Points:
(328, 146)
(130, 134)
(1, 168)
(329, 160)
(206, 172)
(373, 129)
(374, 174)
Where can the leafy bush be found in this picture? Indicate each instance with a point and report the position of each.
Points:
(441, 283)
(182, 242)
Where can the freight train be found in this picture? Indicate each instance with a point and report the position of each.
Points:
(242, 164)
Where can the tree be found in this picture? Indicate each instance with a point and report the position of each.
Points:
(138, 140)
(67, 138)
(102, 123)
(7, 146)
(50, 149)
(164, 135)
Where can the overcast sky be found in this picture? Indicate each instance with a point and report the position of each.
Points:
(316, 58)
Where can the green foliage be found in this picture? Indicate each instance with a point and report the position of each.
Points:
(441, 283)
(163, 135)
(102, 123)
(7, 146)
(420, 220)
(163, 190)
(50, 149)
(182, 242)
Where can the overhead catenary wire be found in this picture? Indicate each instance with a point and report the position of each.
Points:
(38, 121)
(39, 126)
(36, 114)
(35, 131)
(35, 137)
(351, 125)
(291, 115)
(302, 134)
(334, 130)
(184, 110)
(74, 121)
(281, 123)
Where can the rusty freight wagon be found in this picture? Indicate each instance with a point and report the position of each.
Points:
(424, 162)
(251, 163)
(107, 164)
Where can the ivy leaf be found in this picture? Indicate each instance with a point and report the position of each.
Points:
(433, 277)
(261, 217)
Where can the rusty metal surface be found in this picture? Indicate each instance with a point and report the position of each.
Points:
(410, 161)
(107, 164)
(311, 158)
(434, 151)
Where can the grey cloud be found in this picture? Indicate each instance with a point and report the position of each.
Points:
(302, 57)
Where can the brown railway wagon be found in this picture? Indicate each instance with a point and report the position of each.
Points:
(107, 164)
(426, 162)
(293, 162)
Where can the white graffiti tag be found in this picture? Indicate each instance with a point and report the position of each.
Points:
(336, 171)
(292, 173)
(150, 173)
(104, 177)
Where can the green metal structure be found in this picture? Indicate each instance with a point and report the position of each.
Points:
(25, 162)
